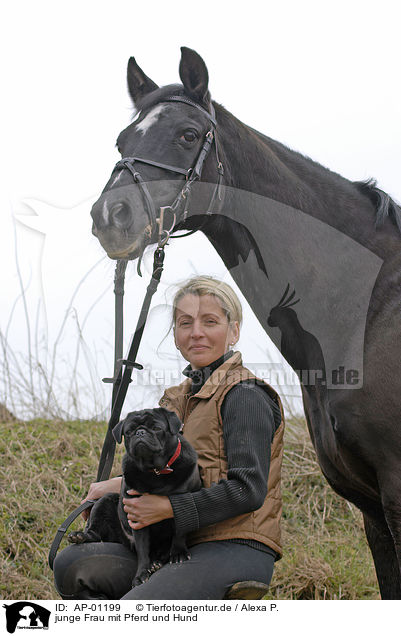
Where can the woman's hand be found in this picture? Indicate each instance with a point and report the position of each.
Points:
(100, 488)
(146, 509)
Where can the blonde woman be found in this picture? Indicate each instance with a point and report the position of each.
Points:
(235, 423)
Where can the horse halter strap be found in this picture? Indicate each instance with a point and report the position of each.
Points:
(191, 175)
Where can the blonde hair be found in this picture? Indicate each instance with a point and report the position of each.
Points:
(207, 285)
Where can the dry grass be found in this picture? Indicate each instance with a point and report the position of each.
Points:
(48, 465)
(326, 553)
(46, 468)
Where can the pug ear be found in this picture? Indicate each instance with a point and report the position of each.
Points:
(118, 431)
(174, 423)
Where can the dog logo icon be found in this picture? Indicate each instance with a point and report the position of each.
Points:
(26, 615)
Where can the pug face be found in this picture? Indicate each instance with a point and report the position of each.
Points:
(150, 437)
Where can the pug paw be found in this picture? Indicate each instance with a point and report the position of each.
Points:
(156, 565)
(179, 557)
(142, 577)
(87, 536)
(78, 537)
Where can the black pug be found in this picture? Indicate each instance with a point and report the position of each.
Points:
(159, 461)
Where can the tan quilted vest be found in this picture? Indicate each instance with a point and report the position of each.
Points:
(203, 428)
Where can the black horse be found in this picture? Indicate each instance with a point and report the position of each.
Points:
(274, 215)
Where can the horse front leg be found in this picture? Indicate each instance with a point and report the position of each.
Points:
(384, 554)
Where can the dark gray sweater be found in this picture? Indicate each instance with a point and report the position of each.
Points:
(250, 419)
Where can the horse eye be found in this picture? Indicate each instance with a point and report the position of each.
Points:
(189, 135)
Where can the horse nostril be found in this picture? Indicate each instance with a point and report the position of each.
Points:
(116, 208)
(108, 213)
(120, 216)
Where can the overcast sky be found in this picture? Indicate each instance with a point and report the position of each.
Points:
(323, 78)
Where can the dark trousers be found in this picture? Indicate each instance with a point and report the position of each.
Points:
(106, 570)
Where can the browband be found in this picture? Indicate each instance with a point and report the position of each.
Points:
(186, 100)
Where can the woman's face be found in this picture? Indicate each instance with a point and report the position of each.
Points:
(202, 331)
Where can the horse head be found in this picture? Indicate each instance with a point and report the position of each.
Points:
(164, 150)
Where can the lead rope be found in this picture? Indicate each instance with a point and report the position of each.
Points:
(121, 379)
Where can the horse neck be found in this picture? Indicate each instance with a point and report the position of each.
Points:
(266, 167)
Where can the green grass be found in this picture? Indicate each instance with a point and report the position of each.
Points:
(47, 467)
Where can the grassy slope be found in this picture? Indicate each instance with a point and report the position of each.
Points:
(48, 466)
(326, 554)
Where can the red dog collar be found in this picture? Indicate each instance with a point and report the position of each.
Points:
(167, 470)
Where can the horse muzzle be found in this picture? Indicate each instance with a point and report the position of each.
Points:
(120, 224)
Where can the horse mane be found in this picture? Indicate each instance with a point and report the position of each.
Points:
(384, 204)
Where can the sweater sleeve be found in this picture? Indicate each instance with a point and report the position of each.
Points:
(248, 416)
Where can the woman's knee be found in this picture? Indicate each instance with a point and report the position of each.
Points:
(65, 564)
(94, 570)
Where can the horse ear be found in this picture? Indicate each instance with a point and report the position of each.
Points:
(139, 84)
(194, 75)
(174, 423)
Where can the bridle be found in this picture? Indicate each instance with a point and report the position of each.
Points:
(179, 207)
